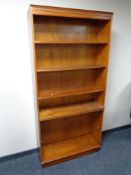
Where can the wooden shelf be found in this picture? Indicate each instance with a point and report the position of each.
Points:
(68, 42)
(69, 110)
(68, 148)
(66, 92)
(70, 68)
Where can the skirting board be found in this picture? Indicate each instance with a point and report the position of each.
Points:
(25, 153)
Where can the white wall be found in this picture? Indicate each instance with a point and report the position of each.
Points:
(18, 126)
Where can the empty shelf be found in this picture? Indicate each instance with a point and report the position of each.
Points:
(66, 92)
(69, 110)
(70, 68)
(68, 148)
(69, 42)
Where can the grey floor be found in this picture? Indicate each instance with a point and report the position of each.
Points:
(114, 158)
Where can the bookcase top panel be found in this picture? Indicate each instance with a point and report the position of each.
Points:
(68, 12)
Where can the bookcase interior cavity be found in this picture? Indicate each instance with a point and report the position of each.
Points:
(62, 29)
(71, 61)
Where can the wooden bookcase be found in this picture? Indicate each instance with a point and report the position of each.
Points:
(71, 51)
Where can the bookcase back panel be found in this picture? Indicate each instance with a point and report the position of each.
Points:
(66, 100)
(65, 128)
(50, 29)
(58, 56)
(66, 79)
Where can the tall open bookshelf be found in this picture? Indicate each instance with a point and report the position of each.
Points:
(71, 52)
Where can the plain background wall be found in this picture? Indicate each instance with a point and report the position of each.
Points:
(18, 123)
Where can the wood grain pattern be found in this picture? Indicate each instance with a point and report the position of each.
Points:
(68, 79)
(70, 157)
(46, 42)
(71, 110)
(62, 30)
(68, 12)
(71, 68)
(68, 100)
(66, 92)
(65, 128)
(67, 148)
(95, 121)
(71, 54)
